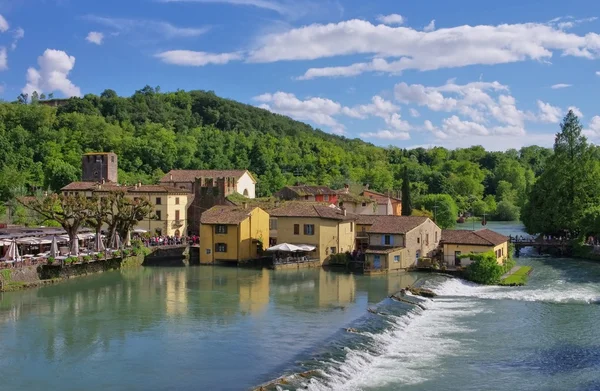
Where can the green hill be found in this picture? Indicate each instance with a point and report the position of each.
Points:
(154, 132)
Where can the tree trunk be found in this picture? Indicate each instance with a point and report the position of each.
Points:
(73, 240)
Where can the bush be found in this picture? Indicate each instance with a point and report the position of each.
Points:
(506, 211)
(125, 253)
(87, 258)
(485, 268)
(71, 260)
(339, 259)
(116, 254)
(50, 260)
(100, 255)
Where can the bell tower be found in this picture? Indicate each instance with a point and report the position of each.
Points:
(99, 166)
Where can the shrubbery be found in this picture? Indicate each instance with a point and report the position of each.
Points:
(484, 269)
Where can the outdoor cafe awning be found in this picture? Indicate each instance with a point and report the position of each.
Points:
(286, 247)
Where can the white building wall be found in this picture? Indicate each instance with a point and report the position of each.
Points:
(246, 183)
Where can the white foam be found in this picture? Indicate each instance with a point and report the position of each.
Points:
(562, 292)
(407, 353)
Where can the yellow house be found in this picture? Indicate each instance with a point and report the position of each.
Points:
(460, 242)
(397, 242)
(330, 229)
(233, 234)
(169, 216)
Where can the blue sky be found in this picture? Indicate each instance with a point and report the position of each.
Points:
(438, 72)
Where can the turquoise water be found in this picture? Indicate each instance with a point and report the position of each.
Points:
(219, 328)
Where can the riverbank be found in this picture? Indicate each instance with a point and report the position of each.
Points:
(40, 275)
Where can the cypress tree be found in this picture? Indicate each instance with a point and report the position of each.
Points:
(406, 200)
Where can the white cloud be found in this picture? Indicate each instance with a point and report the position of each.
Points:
(197, 59)
(52, 75)
(378, 107)
(3, 59)
(317, 110)
(289, 8)
(147, 28)
(454, 126)
(414, 113)
(593, 129)
(548, 113)
(391, 19)
(95, 37)
(597, 73)
(19, 34)
(568, 22)
(560, 85)
(576, 111)
(401, 48)
(386, 135)
(430, 27)
(3, 24)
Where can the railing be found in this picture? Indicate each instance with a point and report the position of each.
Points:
(177, 223)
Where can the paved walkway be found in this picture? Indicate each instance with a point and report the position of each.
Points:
(510, 272)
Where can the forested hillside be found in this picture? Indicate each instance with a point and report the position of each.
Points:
(153, 132)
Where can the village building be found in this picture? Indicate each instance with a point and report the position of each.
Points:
(397, 242)
(308, 193)
(386, 204)
(330, 229)
(169, 215)
(455, 243)
(233, 234)
(209, 188)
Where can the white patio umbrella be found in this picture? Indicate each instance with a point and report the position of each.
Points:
(307, 247)
(115, 241)
(13, 252)
(139, 231)
(98, 244)
(285, 247)
(54, 248)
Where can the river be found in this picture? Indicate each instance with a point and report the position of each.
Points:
(223, 328)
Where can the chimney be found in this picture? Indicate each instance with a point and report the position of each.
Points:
(367, 186)
(344, 210)
(277, 203)
(245, 205)
(139, 184)
(171, 177)
(102, 180)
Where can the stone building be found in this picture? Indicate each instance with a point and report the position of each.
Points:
(99, 166)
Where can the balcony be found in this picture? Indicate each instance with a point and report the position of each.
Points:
(177, 223)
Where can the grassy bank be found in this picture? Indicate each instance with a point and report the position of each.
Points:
(518, 278)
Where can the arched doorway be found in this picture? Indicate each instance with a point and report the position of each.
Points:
(245, 192)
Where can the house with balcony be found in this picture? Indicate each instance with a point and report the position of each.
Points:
(397, 242)
(386, 204)
(455, 243)
(233, 234)
(330, 229)
(308, 193)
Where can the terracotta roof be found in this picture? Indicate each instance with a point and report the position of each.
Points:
(81, 186)
(382, 249)
(483, 237)
(378, 196)
(304, 190)
(350, 197)
(396, 224)
(111, 186)
(156, 189)
(366, 219)
(310, 209)
(191, 175)
(220, 214)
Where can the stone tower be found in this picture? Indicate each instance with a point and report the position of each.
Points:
(99, 166)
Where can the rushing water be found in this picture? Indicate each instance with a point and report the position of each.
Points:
(218, 328)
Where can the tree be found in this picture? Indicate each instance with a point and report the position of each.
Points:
(23, 98)
(484, 269)
(569, 185)
(99, 212)
(507, 211)
(407, 207)
(123, 213)
(35, 97)
(70, 211)
(51, 95)
(443, 207)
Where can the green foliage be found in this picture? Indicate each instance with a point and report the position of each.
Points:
(100, 255)
(506, 211)
(125, 253)
(568, 188)
(50, 260)
(518, 278)
(6, 275)
(339, 259)
(407, 206)
(71, 260)
(484, 269)
(446, 211)
(87, 258)
(116, 254)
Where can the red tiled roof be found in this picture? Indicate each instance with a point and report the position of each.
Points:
(366, 219)
(191, 175)
(229, 215)
(378, 196)
(111, 186)
(156, 189)
(310, 209)
(483, 237)
(82, 186)
(396, 224)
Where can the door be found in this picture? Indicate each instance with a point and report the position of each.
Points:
(377, 262)
(457, 258)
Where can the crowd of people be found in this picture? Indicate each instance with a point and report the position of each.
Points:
(165, 240)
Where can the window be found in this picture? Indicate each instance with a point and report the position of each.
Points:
(208, 251)
(341, 204)
(387, 240)
(158, 201)
(272, 223)
(427, 239)
(177, 215)
(502, 251)
(326, 197)
(396, 258)
(220, 248)
(364, 204)
(332, 249)
(309, 229)
(297, 229)
(351, 227)
(158, 215)
(306, 197)
(112, 159)
(436, 237)
(221, 229)
(176, 200)
(418, 240)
